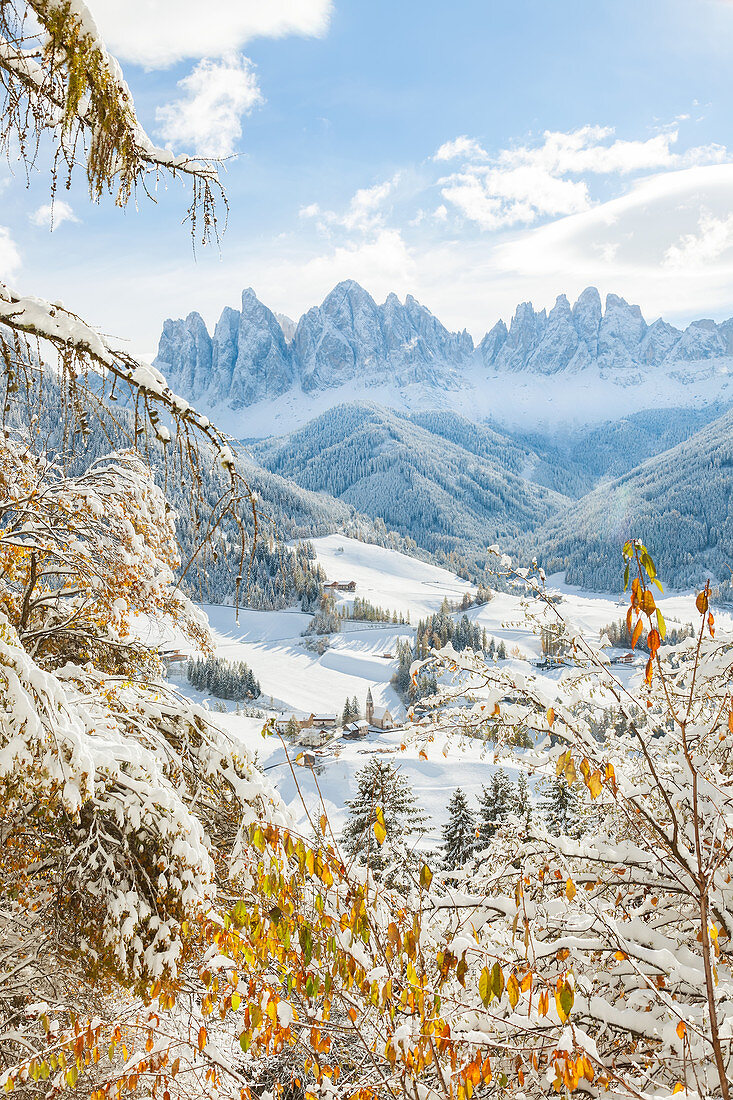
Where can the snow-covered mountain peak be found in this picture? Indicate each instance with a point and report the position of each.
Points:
(400, 354)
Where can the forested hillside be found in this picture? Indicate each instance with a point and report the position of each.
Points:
(446, 495)
(680, 502)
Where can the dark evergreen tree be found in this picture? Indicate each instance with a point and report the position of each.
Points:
(379, 785)
(292, 729)
(495, 805)
(459, 832)
(560, 808)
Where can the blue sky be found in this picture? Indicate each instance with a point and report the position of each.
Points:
(475, 154)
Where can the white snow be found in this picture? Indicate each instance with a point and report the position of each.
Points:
(297, 680)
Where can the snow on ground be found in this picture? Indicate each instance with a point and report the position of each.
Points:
(386, 577)
(292, 678)
(545, 403)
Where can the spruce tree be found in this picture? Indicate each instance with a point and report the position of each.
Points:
(496, 803)
(379, 785)
(292, 729)
(355, 714)
(459, 832)
(560, 807)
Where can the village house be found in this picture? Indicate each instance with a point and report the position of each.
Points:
(324, 721)
(340, 586)
(282, 722)
(173, 658)
(354, 730)
(316, 737)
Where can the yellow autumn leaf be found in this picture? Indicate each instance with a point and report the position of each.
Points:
(594, 784)
(570, 890)
(380, 830)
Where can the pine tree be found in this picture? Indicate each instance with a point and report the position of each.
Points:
(501, 651)
(560, 807)
(346, 715)
(495, 805)
(355, 713)
(292, 729)
(379, 785)
(459, 832)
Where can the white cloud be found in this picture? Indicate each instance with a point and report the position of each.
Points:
(389, 238)
(714, 237)
(207, 118)
(364, 213)
(499, 198)
(381, 264)
(527, 182)
(158, 33)
(464, 147)
(52, 215)
(9, 256)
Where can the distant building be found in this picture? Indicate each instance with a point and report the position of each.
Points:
(316, 737)
(325, 721)
(388, 656)
(341, 586)
(624, 659)
(171, 657)
(282, 723)
(379, 717)
(355, 730)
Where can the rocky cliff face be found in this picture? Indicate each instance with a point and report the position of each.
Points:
(613, 339)
(351, 340)
(347, 339)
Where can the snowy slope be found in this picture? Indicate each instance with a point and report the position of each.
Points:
(388, 578)
(271, 643)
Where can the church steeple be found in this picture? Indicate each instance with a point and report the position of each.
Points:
(369, 706)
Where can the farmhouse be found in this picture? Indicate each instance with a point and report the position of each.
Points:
(341, 586)
(171, 657)
(315, 738)
(354, 730)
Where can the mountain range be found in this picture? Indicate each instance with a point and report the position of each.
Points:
(559, 435)
(261, 373)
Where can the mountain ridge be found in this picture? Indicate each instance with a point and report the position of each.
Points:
(582, 359)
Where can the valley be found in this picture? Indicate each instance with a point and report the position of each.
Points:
(294, 680)
(384, 417)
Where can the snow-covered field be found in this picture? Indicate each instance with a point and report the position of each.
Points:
(294, 679)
